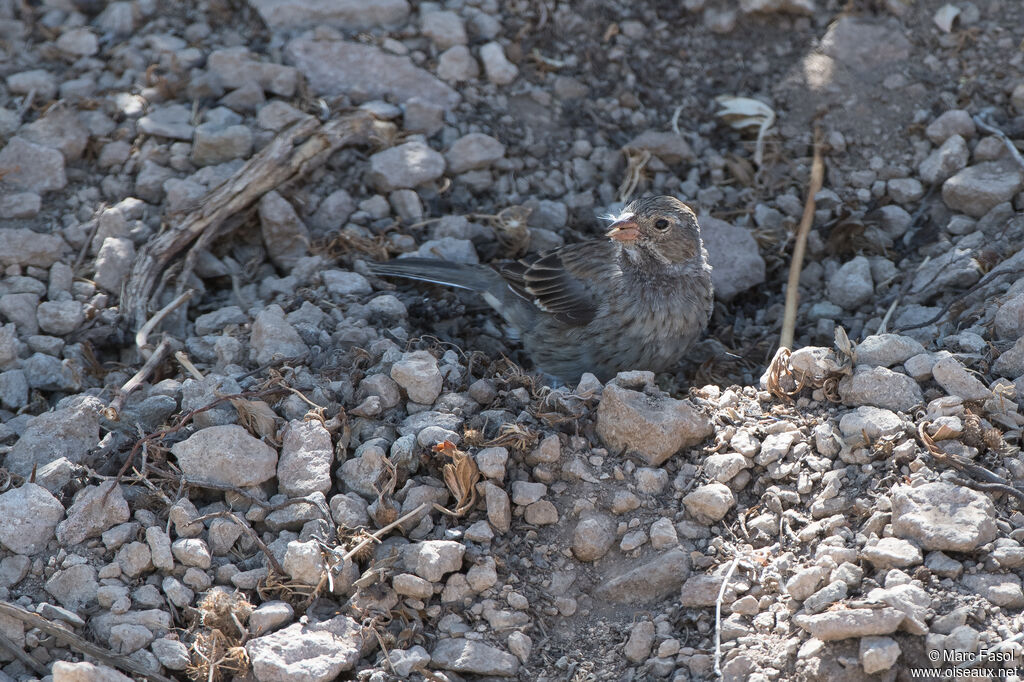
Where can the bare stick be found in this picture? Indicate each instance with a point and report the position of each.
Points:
(79, 643)
(187, 364)
(377, 536)
(718, 615)
(291, 155)
(800, 246)
(248, 530)
(155, 358)
(142, 336)
(17, 652)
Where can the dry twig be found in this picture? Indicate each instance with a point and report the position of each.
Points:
(800, 246)
(112, 411)
(291, 155)
(78, 643)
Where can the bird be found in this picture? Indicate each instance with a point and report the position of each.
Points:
(636, 298)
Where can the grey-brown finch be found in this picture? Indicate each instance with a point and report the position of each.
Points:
(634, 300)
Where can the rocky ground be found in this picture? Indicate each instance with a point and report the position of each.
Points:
(302, 472)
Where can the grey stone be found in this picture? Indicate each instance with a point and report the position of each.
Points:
(344, 283)
(306, 457)
(469, 656)
(316, 652)
(66, 671)
(50, 373)
(892, 553)
(19, 246)
(709, 503)
(473, 151)
(905, 190)
(736, 262)
(977, 189)
(237, 66)
(1009, 364)
(847, 623)
(880, 387)
(172, 653)
(225, 455)
(945, 161)
(30, 166)
(457, 65)
(285, 236)
(444, 28)
(593, 537)
(113, 263)
(954, 269)
(886, 350)
(869, 422)
(40, 81)
(641, 640)
(19, 205)
(78, 42)
(652, 427)
(74, 587)
(216, 143)
(94, 510)
(498, 68)
(28, 518)
(60, 129)
(1001, 589)
(851, 286)
(68, 432)
(14, 389)
(338, 67)
(169, 120)
(652, 580)
(432, 559)
(418, 374)
(943, 516)
(956, 380)
(878, 653)
(340, 14)
(949, 123)
(449, 249)
(273, 338)
(60, 317)
(1009, 321)
(405, 166)
(21, 310)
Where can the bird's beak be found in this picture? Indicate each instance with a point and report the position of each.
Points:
(624, 231)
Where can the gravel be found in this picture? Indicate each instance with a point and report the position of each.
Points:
(862, 497)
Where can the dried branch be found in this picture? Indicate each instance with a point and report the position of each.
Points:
(800, 246)
(79, 643)
(292, 154)
(112, 411)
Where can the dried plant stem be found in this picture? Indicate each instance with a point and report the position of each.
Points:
(290, 156)
(718, 615)
(380, 533)
(800, 246)
(142, 336)
(80, 644)
(154, 359)
(11, 647)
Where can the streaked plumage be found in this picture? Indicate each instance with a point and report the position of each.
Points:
(636, 299)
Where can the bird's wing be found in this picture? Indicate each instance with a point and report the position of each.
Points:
(561, 282)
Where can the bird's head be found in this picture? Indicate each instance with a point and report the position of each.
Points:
(663, 225)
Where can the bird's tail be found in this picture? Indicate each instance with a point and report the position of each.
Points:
(473, 277)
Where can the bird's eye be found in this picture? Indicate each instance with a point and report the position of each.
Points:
(661, 224)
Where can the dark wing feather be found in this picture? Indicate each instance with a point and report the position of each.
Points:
(561, 282)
